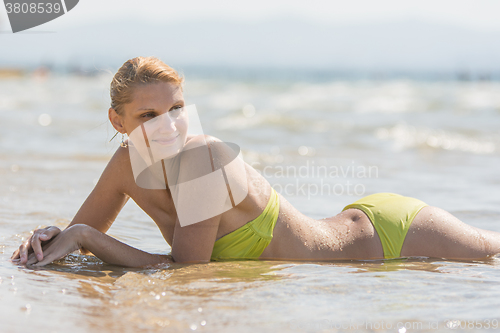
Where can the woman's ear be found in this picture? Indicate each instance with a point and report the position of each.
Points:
(116, 120)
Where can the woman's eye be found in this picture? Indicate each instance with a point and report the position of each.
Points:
(175, 111)
(148, 115)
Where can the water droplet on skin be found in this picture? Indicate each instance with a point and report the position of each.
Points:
(193, 327)
(200, 310)
(203, 323)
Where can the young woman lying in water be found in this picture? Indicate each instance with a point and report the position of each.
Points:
(262, 225)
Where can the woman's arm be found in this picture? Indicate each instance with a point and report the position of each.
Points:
(108, 197)
(194, 243)
(201, 203)
(98, 211)
(104, 247)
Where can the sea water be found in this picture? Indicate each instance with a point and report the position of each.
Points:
(321, 143)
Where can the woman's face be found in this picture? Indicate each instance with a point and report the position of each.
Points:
(155, 119)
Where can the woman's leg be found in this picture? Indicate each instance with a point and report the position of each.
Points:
(436, 233)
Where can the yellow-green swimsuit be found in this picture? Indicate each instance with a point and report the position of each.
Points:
(250, 240)
(391, 215)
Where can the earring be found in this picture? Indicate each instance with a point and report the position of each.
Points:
(123, 144)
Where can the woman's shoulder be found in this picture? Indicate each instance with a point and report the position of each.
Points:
(120, 159)
(205, 154)
(200, 139)
(221, 153)
(118, 169)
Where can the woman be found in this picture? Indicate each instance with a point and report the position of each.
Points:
(261, 225)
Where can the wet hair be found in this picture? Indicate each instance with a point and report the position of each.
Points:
(139, 71)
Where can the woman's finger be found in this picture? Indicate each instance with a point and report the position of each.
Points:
(16, 261)
(51, 231)
(19, 252)
(57, 248)
(23, 251)
(42, 235)
(50, 256)
(15, 255)
(31, 260)
(47, 260)
(36, 245)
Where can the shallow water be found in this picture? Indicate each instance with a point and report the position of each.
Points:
(437, 141)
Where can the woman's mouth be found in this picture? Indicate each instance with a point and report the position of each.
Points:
(166, 141)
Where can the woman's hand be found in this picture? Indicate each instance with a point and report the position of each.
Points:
(64, 243)
(104, 247)
(34, 244)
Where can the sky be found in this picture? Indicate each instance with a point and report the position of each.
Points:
(448, 34)
(480, 14)
(477, 14)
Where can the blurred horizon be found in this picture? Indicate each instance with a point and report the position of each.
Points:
(437, 40)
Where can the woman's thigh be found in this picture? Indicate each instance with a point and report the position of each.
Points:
(436, 233)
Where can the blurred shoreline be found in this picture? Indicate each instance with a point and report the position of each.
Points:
(263, 73)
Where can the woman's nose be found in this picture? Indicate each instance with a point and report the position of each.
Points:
(166, 124)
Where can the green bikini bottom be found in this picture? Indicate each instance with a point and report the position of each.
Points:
(391, 215)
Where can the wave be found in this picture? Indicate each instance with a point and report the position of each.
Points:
(405, 137)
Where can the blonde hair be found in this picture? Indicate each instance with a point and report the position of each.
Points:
(139, 71)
